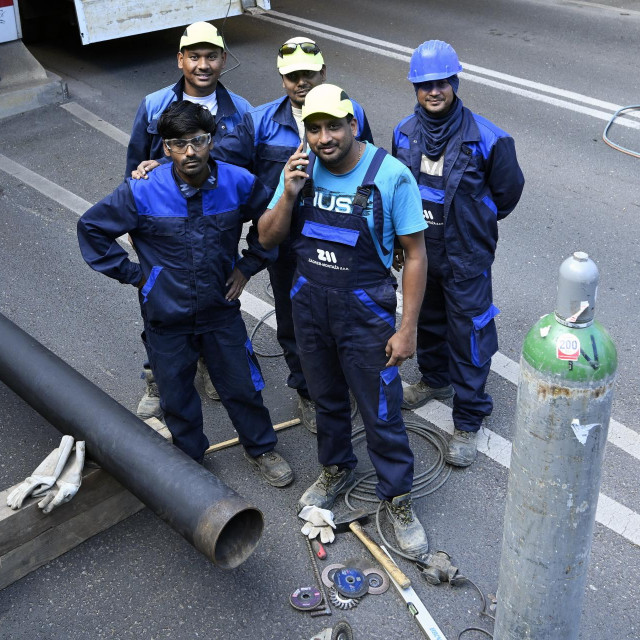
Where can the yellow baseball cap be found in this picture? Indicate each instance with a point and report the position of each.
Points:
(299, 54)
(329, 99)
(201, 32)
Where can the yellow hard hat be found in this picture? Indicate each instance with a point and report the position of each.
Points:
(201, 32)
(299, 54)
(329, 99)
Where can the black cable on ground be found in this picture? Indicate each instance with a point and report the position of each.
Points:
(613, 145)
(424, 483)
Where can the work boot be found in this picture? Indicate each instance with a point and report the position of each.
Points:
(307, 413)
(209, 389)
(415, 395)
(273, 467)
(329, 485)
(409, 531)
(462, 449)
(149, 405)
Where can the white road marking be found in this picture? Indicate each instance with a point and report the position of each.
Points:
(610, 513)
(50, 189)
(96, 122)
(606, 7)
(399, 52)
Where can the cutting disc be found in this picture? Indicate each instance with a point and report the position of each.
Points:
(378, 581)
(327, 574)
(350, 583)
(305, 598)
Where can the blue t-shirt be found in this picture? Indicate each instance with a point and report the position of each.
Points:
(401, 199)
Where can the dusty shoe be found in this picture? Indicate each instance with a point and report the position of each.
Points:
(209, 389)
(307, 414)
(462, 449)
(149, 405)
(273, 467)
(330, 484)
(410, 533)
(415, 395)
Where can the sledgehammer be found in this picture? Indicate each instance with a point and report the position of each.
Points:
(352, 523)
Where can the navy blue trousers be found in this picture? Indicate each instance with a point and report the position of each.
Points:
(457, 337)
(281, 274)
(341, 342)
(235, 373)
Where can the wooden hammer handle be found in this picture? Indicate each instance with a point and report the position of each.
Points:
(380, 556)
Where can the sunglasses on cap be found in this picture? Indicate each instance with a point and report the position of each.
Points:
(289, 47)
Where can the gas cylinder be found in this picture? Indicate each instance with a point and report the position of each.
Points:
(565, 391)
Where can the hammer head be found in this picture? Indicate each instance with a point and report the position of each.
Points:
(342, 524)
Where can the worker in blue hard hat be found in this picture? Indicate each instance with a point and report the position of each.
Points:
(469, 179)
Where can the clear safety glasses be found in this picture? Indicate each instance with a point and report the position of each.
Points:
(289, 47)
(179, 145)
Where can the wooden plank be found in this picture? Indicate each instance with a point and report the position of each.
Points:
(28, 522)
(18, 527)
(66, 535)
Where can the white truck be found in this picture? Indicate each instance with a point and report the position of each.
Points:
(100, 20)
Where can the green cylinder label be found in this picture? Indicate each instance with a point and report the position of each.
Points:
(577, 354)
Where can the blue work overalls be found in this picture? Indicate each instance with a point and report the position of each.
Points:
(456, 332)
(344, 305)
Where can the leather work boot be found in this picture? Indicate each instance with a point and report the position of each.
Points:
(329, 485)
(149, 405)
(415, 395)
(462, 449)
(209, 389)
(409, 531)
(307, 414)
(273, 467)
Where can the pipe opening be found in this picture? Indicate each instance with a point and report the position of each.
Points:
(238, 538)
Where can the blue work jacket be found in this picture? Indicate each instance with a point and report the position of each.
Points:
(266, 138)
(483, 184)
(145, 142)
(187, 244)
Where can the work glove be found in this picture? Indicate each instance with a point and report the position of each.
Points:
(67, 484)
(44, 477)
(318, 522)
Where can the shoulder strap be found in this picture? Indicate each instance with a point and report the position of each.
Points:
(364, 192)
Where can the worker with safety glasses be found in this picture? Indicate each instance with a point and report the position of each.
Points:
(469, 178)
(262, 143)
(185, 222)
(344, 204)
(201, 59)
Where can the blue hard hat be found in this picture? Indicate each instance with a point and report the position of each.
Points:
(433, 60)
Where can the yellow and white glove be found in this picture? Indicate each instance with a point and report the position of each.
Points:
(318, 522)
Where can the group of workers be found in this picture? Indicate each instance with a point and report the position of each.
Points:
(331, 215)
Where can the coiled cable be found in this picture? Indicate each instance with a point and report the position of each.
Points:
(613, 145)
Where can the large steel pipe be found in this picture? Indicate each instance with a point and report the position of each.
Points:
(213, 518)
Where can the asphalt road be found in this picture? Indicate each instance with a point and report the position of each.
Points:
(539, 69)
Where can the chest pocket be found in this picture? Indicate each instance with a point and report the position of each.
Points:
(160, 226)
(227, 220)
(272, 153)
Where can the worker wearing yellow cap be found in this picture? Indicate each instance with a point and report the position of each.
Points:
(262, 143)
(344, 204)
(201, 58)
